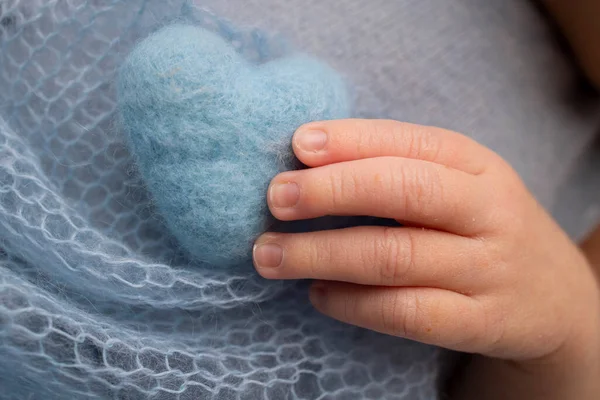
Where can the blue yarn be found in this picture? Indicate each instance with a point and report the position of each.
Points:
(209, 131)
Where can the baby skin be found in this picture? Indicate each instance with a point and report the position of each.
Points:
(477, 266)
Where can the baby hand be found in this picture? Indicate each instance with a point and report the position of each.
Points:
(478, 265)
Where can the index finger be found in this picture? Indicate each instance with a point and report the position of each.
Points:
(327, 142)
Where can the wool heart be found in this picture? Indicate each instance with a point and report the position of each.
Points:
(209, 130)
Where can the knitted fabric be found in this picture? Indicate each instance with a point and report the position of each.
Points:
(97, 301)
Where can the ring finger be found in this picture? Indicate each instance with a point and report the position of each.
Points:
(377, 256)
(416, 192)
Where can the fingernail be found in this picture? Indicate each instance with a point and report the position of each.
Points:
(284, 195)
(311, 140)
(268, 255)
(317, 294)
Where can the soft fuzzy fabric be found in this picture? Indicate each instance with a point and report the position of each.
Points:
(210, 130)
(97, 300)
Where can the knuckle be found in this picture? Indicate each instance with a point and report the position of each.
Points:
(411, 134)
(336, 186)
(427, 186)
(423, 143)
(396, 255)
(367, 253)
(405, 319)
(421, 188)
(349, 310)
(343, 186)
(319, 255)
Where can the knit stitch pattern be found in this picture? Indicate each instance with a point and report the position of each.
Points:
(98, 300)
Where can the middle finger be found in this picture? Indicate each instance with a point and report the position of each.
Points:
(412, 191)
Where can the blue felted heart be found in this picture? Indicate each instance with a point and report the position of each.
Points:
(209, 130)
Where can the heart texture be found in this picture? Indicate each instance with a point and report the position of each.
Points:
(209, 130)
